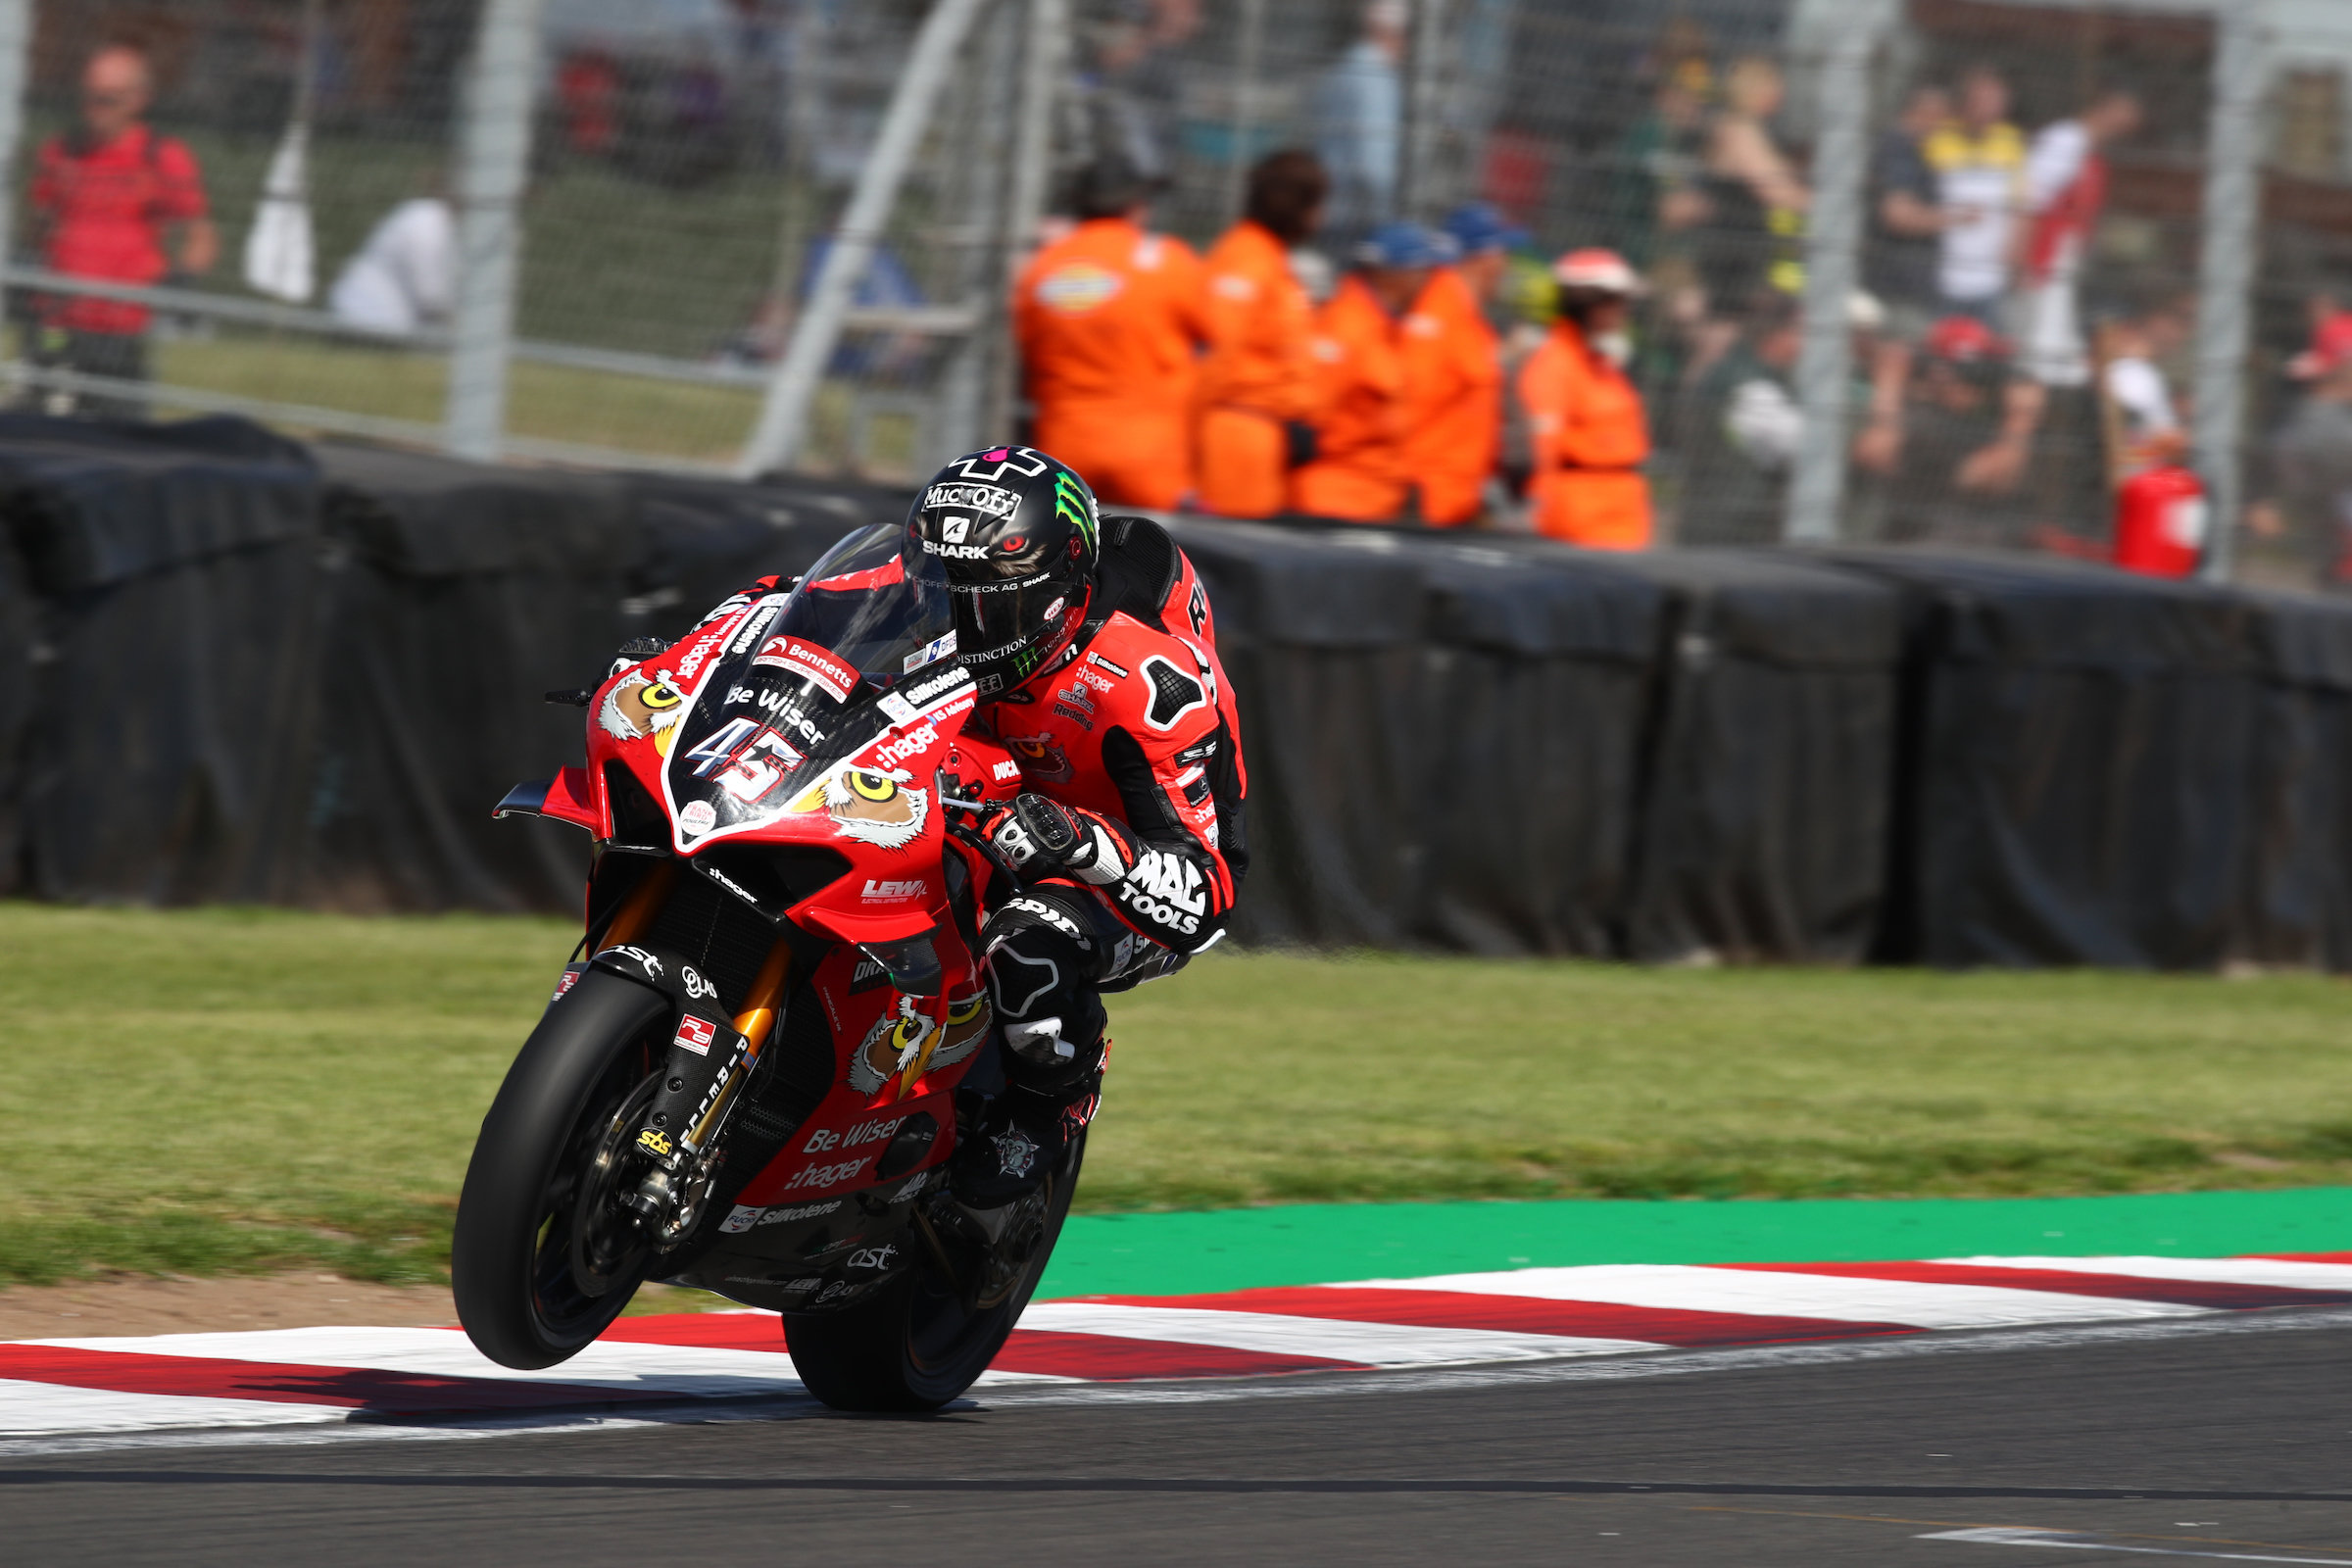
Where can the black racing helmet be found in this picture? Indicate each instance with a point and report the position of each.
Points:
(1017, 533)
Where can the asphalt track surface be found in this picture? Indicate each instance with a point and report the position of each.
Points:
(2213, 1439)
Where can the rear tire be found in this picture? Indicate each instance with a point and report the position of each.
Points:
(916, 1346)
(537, 1270)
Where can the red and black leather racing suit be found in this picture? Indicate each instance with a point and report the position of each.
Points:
(1133, 730)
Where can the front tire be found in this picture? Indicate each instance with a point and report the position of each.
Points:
(920, 1342)
(539, 1263)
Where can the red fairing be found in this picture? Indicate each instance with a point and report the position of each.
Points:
(572, 798)
(1136, 730)
(880, 811)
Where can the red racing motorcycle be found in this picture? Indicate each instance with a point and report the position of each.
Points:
(775, 1026)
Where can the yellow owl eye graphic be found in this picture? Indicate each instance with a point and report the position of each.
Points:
(659, 695)
(873, 786)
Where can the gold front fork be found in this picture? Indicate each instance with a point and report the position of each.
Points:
(758, 1017)
(638, 909)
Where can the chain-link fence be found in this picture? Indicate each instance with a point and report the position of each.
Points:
(1958, 269)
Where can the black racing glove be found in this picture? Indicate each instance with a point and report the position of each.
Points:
(1042, 839)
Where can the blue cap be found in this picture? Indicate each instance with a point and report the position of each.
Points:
(1480, 227)
(1400, 245)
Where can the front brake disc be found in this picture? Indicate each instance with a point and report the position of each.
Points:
(607, 1243)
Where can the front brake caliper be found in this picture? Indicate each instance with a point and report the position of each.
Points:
(701, 1081)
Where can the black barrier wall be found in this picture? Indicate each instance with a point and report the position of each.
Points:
(2079, 774)
(1322, 650)
(233, 667)
(164, 752)
(2297, 895)
(464, 594)
(1765, 786)
(1535, 679)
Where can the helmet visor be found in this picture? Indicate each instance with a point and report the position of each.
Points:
(1007, 629)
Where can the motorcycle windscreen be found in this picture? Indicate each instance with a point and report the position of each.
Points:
(801, 685)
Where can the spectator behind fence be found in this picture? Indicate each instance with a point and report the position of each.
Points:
(1743, 425)
(1359, 122)
(1141, 85)
(2066, 186)
(2326, 317)
(1359, 471)
(1980, 161)
(1753, 235)
(2311, 460)
(1898, 266)
(2137, 396)
(113, 202)
(1587, 435)
(1109, 320)
(1741, 431)
(1258, 383)
(1657, 193)
(406, 276)
(1907, 217)
(1966, 438)
(2160, 516)
(1453, 371)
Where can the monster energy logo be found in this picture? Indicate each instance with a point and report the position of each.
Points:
(1070, 502)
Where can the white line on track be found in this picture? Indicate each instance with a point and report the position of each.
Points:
(28, 1408)
(1839, 1298)
(2068, 1540)
(1334, 1339)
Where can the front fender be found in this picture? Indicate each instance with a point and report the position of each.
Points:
(665, 970)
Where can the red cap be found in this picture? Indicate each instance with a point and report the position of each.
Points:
(2330, 347)
(1964, 341)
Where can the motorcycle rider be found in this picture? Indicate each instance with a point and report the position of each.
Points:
(1095, 654)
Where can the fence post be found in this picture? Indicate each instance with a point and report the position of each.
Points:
(1414, 195)
(2226, 267)
(15, 43)
(784, 415)
(494, 159)
(1832, 243)
(1245, 103)
(1032, 175)
(964, 385)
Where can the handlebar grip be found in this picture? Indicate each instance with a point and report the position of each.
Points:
(981, 847)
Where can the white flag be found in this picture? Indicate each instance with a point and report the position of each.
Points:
(277, 247)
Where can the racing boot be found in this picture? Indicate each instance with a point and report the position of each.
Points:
(1022, 1133)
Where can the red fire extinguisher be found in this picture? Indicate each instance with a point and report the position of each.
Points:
(2160, 521)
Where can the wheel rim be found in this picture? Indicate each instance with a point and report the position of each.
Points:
(943, 1329)
(580, 1260)
(605, 1248)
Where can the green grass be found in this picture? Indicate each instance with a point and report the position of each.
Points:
(625, 414)
(225, 1091)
